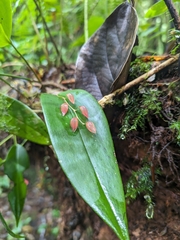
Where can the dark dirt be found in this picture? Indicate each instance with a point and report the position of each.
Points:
(51, 189)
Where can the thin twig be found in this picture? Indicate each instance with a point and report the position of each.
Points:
(108, 99)
(28, 65)
(37, 3)
(174, 13)
(86, 20)
(68, 81)
(45, 50)
(53, 84)
(17, 77)
(6, 82)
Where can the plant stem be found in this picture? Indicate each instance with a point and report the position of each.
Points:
(73, 110)
(38, 78)
(47, 29)
(174, 13)
(15, 139)
(6, 139)
(86, 20)
(24, 141)
(6, 82)
(15, 76)
(45, 50)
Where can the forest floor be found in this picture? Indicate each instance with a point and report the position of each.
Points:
(53, 209)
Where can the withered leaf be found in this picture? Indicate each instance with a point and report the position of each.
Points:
(102, 59)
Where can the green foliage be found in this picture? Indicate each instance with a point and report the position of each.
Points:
(87, 157)
(175, 126)
(51, 38)
(4, 183)
(55, 30)
(138, 67)
(18, 119)
(16, 163)
(140, 183)
(8, 228)
(153, 33)
(5, 22)
(50, 32)
(157, 9)
(139, 106)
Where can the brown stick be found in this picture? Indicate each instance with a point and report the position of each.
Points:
(108, 99)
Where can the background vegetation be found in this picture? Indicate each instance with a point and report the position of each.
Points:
(50, 32)
(47, 32)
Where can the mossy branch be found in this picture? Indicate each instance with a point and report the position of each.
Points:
(108, 99)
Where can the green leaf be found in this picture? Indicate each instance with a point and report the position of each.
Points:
(18, 119)
(2, 161)
(8, 229)
(88, 159)
(5, 22)
(17, 161)
(16, 198)
(157, 9)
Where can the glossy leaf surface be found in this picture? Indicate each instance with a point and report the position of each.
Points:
(5, 22)
(16, 163)
(18, 119)
(102, 59)
(88, 159)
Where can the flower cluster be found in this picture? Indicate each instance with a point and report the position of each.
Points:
(74, 122)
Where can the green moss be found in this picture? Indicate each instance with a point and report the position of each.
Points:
(138, 67)
(139, 106)
(140, 183)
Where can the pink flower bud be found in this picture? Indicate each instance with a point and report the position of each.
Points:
(74, 123)
(64, 108)
(71, 98)
(84, 111)
(91, 127)
(26, 181)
